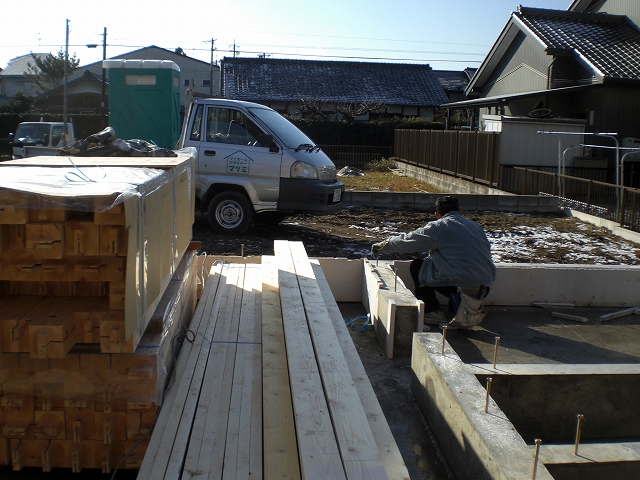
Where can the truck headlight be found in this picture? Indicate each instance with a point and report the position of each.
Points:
(304, 170)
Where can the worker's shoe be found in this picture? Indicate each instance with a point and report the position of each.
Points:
(434, 318)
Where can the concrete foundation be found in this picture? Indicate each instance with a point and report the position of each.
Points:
(547, 372)
(548, 369)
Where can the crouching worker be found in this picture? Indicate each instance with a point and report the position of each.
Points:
(458, 264)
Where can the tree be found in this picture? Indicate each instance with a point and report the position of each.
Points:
(20, 103)
(48, 70)
(350, 110)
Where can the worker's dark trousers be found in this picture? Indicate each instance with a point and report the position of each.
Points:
(426, 293)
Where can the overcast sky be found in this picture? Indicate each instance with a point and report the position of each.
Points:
(447, 34)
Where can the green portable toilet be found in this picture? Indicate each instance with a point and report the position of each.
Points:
(144, 100)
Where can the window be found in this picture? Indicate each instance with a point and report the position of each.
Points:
(225, 125)
(186, 82)
(206, 83)
(56, 132)
(197, 123)
(140, 79)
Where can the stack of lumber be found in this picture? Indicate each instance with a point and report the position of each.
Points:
(271, 386)
(95, 282)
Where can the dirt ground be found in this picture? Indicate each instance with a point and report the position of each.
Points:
(350, 233)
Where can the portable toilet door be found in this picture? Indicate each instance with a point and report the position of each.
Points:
(144, 100)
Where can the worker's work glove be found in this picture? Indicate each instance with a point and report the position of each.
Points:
(376, 247)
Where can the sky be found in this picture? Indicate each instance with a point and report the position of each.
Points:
(448, 35)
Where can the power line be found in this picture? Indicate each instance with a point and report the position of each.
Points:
(337, 57)
(364, 49)
(258, 52)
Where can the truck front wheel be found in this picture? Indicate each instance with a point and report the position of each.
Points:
(230, 212)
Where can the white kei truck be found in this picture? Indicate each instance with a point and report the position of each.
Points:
(39, 138)
(255, 165)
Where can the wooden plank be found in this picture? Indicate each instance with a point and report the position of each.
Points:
(356, 442)
(254, 417)
(81, 237)
(45, 239)
(217, 368)
(280, 447)
(243, 426)
(387, 446)
(170, 437)
(218, 413)
(233, 462)
(113, 216)
(54, 327)
(13, 331)
(317, 444)
(10, 214)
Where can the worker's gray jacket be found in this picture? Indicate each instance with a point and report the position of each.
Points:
(459, 252)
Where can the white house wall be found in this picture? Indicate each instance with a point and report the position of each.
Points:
(520, 144)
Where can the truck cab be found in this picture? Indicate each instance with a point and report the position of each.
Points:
(39, 138)
(253, 164)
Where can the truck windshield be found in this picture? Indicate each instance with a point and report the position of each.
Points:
(286, 131)
(31, 133)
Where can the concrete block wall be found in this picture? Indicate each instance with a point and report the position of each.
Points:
(468, 202)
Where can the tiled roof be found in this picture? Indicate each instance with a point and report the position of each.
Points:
(609, 43)
(266, 79)
(452, 80)
(19, 65)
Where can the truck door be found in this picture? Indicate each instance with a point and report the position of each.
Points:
(230, 152)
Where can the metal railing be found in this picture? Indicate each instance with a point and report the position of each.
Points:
(605, 200)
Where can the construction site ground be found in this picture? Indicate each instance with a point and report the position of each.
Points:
(528, 335)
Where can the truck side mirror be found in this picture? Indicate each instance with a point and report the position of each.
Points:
(11, 137)
(267, 141)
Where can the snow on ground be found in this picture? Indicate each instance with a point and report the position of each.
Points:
(527, 244)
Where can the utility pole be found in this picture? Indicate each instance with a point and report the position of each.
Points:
(65, 101)
(235, 52)
(211, 70)
(104, 57)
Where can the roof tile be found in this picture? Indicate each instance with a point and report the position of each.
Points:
(608, 42)
(266, 79)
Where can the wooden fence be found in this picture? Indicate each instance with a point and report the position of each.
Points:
(471, 156)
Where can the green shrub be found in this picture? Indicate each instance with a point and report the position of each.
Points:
(381, 165)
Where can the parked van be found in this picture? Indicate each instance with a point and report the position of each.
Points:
(39, 138)
(253, 164)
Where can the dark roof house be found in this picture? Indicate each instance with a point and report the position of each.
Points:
(454, 82)
(292, 86)
(574, 64)
(574, 71)
(84, 96)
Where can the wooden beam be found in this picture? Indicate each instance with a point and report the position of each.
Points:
(206, 451)
(161, 442)
(280, 447)
(317, 443)
(356, 442)
(387, 446)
